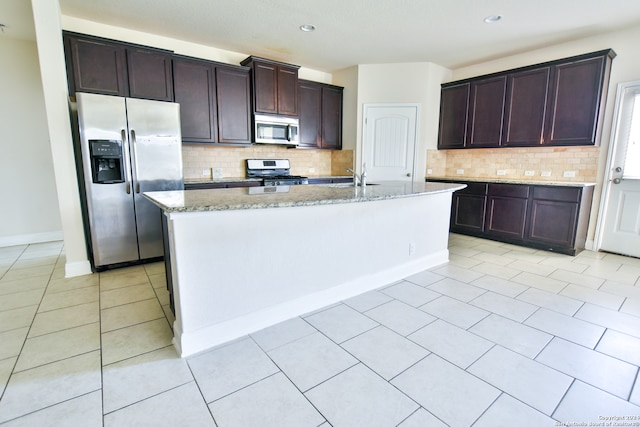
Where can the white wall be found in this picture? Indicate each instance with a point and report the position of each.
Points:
(27, 188)
(417, 82)
(625, 67)
(46, 18)
(348, 78)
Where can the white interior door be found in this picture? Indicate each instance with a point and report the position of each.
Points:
(621, 231)
(389, 141)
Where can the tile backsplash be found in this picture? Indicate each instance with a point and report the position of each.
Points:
(558, 164)
(205, 162)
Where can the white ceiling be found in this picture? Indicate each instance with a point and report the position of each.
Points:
(447, 32)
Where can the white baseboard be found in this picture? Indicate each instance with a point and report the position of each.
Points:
(80, 268)
(26, 239)
(590, 245)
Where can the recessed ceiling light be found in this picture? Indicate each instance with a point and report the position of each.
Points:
(492, 18)
(308, 27)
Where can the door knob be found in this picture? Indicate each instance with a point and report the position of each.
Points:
(618, 169)
(617, 180)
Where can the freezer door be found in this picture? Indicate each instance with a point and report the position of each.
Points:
(156, 156)
(109, 207)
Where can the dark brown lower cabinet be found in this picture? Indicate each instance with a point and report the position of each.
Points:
(507, 210)
(559, 216)
(547, 217)
(468, 207)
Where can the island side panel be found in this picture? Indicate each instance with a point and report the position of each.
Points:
(238, 271)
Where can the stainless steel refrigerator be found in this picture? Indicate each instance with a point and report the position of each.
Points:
(128, 146)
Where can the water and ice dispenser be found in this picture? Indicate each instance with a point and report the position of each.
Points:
(107, 163)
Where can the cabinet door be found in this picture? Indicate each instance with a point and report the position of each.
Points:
(467, 213)
(310, 94)
(234, 106)
(265, 86)
(527, 93)
(507, 210)
(98, 66)
(331, 118)
(150, 75)
(454, 104)
(553, 222)
(506, 216)
(573, 108)
(486, 112)
(287, 91)
(195, 91)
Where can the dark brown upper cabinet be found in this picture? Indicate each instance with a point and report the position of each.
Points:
(576, 101)
(310, 95)
(214, 101)
(331, 117)
(454, 108)
(194, 88)
(109, 67)
(233, 89)
(525, 110)
(150, 75)
(486, 112)
(96, 66)
(320, 115)
(275, 86)
(556, 103)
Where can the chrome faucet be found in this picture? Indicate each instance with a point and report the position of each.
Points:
(362, 177)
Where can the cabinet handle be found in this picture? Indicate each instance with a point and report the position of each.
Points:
(409, 174)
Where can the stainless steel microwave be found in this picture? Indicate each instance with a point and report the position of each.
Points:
(276, 130)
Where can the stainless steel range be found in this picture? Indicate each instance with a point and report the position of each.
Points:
(273, 172)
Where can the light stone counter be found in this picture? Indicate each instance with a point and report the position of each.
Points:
(511, 181)
(290, 196)
(240, 261)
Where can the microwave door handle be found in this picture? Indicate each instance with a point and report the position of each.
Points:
(289, 133)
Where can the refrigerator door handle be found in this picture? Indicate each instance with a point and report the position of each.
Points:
(134, 160)
(123, 134)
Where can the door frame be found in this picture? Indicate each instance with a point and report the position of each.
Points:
(365, 108)
(607, 180)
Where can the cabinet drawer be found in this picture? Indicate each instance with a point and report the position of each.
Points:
(509, 190)
(562, 194)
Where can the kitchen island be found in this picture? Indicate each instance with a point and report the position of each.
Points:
(242, 259)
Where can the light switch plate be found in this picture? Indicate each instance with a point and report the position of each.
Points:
(429, 171)
(569, 174)
(502, 172)
(529, 173)
(545, 173)
(206, 172)
(460, 171)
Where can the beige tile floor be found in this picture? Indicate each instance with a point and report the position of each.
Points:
(499, 336)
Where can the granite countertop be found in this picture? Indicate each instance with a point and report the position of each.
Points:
(512, 181)
(290, 196)
(245, 179)
(219, 180)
